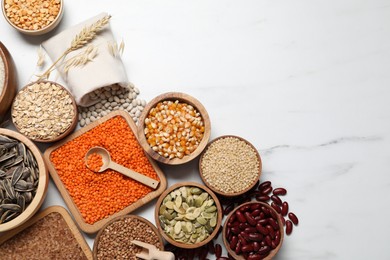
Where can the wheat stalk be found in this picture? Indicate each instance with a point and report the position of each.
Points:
(81, 59)
(86, 35)
(115, 50)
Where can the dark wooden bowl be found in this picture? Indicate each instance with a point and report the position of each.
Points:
(273, 252)
(10, 81)
(181, 97)
(176, 243)
(224, 193)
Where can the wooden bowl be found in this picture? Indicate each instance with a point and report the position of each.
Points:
(181, 97)
(225, 194)
(10, 81)
(41, 31)
(99, 234)
(179, 244)
(273, 252)
(40, 195)
(41, 215)
(93, 228)
(67, 131)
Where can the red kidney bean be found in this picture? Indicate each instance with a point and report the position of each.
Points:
(255, 237)
(238, 248)
(284, 208)
(274, 214)
(245, 235)
(240, 216)
(271, 231)
(273, 244)
(276, 207)
(228, 209)
(277, 200)
(232, 218)
(262, 198)
(261, 229)
(211, 247)
(266, 191)
(203, 253)
(250, 230)
(265, 211)
(256, 246)
(293, 218)
(277, 239)
(264, 250)
(242, 240)
(245, 208)
(289, 227)
(262, 222)
(250, 219)
(247, 248)
(243, 226)
(223, 258)
(230, 257)
(256, 213)
(218, 250)
(264, 185)
(268, 240)
(255, 206)
(233, 242)
(255, 257)
(273, 223)
(283, 221)
(235, 230)
(263, 243)
(280, 191)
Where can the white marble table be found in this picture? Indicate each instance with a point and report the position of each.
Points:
(307, 82)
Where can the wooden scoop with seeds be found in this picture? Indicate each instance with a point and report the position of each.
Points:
(150, 252)
(98, 159)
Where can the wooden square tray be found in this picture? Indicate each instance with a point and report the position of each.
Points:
(93, 228)
(68, 219)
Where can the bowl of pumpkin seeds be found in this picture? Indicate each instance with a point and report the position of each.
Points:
(23, 179)
(188, 215)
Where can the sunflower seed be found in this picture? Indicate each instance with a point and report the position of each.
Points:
(17, 173)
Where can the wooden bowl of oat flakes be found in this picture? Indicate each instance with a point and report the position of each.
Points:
(33, 17)
(44, 111)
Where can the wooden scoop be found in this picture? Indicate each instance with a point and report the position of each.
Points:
(108, 164)
(150, 252)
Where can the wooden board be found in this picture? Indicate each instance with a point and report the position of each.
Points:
(93, 228)
(68, 219)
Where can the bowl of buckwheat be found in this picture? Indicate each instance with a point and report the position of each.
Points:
(174, 128)
(33, 17)
(44, 111)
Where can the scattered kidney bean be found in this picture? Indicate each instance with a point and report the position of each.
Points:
(218, 250)
(266, 191)
(228, 209)
(276, 207)
(293, 218)
(277, 200)
(264, 185)
(289, 227)
(279, 191)
(284, 208)
(211, 247)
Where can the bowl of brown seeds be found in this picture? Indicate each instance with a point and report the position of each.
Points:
(23, 179)
(230, 165)
(114, 239)
(188, 215)
(44, 111)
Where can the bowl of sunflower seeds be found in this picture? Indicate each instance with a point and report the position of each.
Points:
(23, 179)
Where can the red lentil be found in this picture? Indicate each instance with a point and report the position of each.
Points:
(99, 195)
(95, 162)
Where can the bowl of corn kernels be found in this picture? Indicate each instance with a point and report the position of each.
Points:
(33, 17)
(174, 128)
